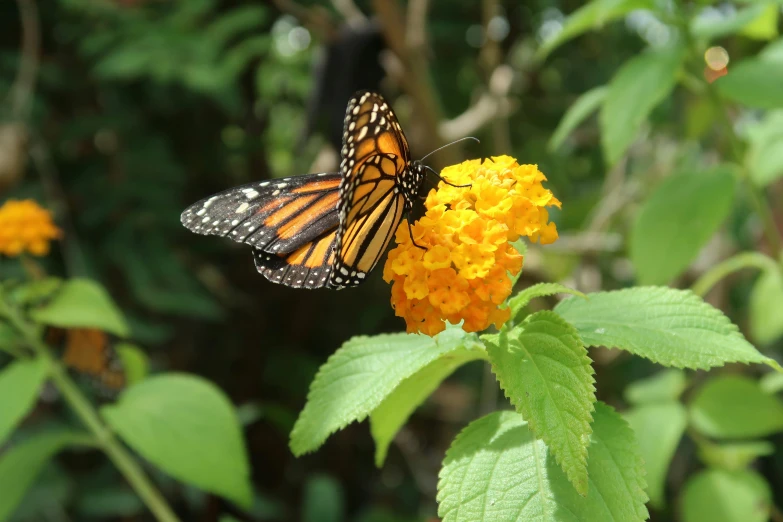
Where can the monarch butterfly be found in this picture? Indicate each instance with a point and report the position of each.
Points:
(328, 229)
(90, 352)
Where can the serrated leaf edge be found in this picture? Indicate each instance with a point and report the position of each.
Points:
(569, 471)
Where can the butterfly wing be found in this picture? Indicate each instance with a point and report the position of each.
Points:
(307, 267)
(374, 190)
(278, 216)
(92, 354)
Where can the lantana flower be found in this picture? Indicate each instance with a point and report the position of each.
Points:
(461, 269)
(26, 227)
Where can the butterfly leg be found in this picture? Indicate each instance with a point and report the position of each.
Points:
(410, 231)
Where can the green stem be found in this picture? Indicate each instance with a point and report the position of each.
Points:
(729, 266)
(757, 197)
(121, 457)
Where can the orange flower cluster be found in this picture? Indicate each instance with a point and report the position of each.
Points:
(462, 273)
(25, 226)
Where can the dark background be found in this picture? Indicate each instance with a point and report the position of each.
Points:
(142, 107)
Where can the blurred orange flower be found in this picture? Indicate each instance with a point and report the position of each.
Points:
(26, 227)
(462, 273)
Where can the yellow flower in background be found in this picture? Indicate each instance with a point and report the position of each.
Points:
(462, 273)
(26, 227)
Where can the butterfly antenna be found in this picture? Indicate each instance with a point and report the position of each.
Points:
(449, 145)
(445, 180)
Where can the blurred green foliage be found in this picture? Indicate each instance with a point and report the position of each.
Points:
(140, 108)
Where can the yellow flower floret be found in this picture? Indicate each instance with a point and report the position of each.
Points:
(462, 273)
(25, 226)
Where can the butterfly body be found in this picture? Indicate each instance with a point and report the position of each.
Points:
(328, 229)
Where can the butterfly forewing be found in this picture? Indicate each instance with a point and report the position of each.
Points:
(277, 216)
(377, 187)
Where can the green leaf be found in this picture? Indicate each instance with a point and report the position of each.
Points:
(764, 26)
(708, 28)
(523, 298)
(754, 82)
(545, 372)
(766, 306)
(393, 412)
(21, 464)
(773, 52)
(187, 427)
(764, 158)
(323, 500)
(771, 382)
(638, 87)
(20, 384)
(36, 291)
(658, 428)
(678, 219)
(664, 386)
(82, 303)
(669, 327)
(733, 406)
(497, 471)
(134, 362)
(582, 108)
(590, 17)
(735, 455)
(723, 496)
(359, 376)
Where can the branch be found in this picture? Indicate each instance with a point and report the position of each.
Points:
(414, 78)
(24, 83)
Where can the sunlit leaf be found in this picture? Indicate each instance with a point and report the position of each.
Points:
(766, 307)
(582, 108)
(590, 17)
(734, 455)
(391, 414)
(545, 372)
(677, 220)
(734, 406)
(764, 158)
(635, 90)
(523, 298)
(754, 82)
(669, 327)
(751, 20)
(359, 376)
(187, 427)
(134, 362)
(497, 471)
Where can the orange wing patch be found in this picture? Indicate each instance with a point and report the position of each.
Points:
(307, 267)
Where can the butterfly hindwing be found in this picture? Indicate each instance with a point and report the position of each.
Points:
(307, 267)
(276, 216)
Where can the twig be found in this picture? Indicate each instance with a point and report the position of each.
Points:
(499, 84)
(415, 80)
(352, 14)
(24, 83)
(729, 266)
(489, 107)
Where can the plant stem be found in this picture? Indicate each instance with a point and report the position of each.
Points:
(729, 266)
(87, 413)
